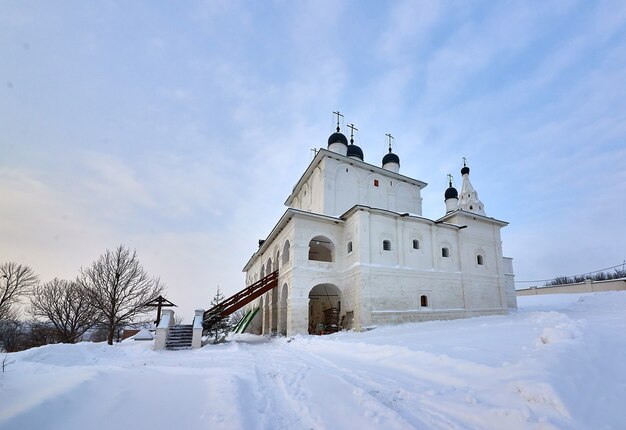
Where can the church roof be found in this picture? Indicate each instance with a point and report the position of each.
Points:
(356, 208)
(337, 138)
(290, 213)
(355, 151)
(463, 213)
(391, 158)
(451, 193)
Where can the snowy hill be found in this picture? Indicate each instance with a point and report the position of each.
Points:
(557, 362)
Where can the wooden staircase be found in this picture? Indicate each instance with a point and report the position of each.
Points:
(239, 300)
(179, 337)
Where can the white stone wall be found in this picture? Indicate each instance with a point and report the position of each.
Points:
(338, 184)
(588, 286)
(380, 286)
(509, 282)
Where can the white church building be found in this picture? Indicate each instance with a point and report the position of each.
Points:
(353, 251)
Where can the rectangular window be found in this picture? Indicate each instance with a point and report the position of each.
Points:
(375, 182)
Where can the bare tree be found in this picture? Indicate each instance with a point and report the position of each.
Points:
(66, 305)
(12, 335)
(16, 280)
(118, 287)
(38, 333)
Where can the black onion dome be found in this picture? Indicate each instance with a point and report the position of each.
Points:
(337, 138)
(391, 158)
(451, 193)
(355, 151)
(465, 170)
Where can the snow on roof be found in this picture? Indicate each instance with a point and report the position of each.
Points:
(143, 335)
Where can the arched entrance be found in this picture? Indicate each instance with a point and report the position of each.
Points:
(282, 310)
(266, 314)
(274, 317)
(324, 309)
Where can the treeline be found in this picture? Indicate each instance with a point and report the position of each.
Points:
(600, 276)
(107, 295)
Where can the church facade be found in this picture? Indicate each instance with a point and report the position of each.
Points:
(353, 251)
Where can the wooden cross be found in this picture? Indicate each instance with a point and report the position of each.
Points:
(338, 115)
(160, 302)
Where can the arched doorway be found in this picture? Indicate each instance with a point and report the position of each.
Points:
(282, 310)
(266, 314)
(274, 317)
(324, 309)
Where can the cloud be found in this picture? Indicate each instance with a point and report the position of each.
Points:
(407, 28)
(41, 227)
(181, 134)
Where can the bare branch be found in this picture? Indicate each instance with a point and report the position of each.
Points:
(16, 280)
(118, 287)
(66, 305)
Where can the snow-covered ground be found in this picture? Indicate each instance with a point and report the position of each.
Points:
(557, 362)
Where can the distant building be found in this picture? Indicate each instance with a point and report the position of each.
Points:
(354, 251)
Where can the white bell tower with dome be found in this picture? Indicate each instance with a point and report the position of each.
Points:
(469, 196)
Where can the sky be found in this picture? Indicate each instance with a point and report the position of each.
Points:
(179, 129)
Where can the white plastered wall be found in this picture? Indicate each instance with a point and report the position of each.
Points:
(335, 186)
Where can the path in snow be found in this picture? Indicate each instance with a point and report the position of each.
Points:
(558, 362)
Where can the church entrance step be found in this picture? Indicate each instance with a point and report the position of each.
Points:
(179, 337)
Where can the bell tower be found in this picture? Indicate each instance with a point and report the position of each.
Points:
(468, 200)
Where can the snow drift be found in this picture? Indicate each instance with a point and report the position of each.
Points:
(559, 362)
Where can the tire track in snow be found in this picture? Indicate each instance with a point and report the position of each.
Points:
(423, 394)
(398, 401)
(280, 382)
(289, 406)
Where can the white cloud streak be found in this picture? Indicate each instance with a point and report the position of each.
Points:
(182, 134)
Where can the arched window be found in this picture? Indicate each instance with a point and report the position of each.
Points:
(286, 247)
(321, 249)
(386, 245)
(445, 252)
(424, 301)
(416, 244)
(349, 247)
(268, 268)
(479, 260)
